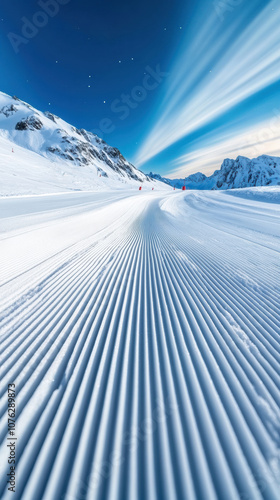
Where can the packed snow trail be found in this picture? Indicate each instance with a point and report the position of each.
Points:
(142, 335)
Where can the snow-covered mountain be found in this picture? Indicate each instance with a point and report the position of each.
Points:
(239, 173)
(68, 150)
(243, 172)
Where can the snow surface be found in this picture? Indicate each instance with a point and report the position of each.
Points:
(25, 172)
(142, 333)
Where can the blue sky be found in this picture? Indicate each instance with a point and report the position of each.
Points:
(176, 86)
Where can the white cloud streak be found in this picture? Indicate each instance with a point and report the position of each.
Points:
(255, 141)
(249, 65)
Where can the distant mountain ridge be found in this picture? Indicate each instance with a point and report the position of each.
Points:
(51, 137)
(69, 149)
(240, 173)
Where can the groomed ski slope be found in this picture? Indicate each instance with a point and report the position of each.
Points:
(142, 334)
